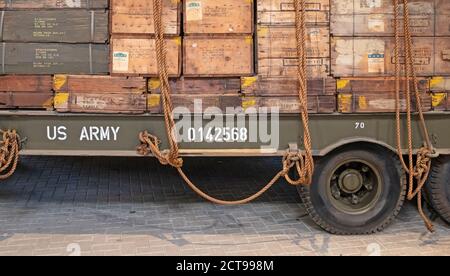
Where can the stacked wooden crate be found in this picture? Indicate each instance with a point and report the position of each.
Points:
(26, 92)
(47, 37)
(275, 84)
(363, 45)
(217, 51)
(133, 47)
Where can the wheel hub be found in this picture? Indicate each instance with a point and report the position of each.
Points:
(351, 181)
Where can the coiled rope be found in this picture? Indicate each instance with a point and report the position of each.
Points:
(9, 153)
(150, 144)
(421, 170)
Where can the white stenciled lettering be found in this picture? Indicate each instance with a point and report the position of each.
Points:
(95, 133)
(57, 133)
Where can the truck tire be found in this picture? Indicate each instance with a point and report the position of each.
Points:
(438, 187)
(356, 191)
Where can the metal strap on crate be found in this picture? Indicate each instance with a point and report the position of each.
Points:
(92, 26)
(91, 66)
(2, 20)
(3, 57)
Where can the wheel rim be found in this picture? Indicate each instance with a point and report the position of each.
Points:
(354, 187)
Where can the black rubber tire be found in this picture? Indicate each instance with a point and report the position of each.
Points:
(438, 187)
(375, 219)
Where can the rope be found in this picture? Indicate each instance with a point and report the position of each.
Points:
(9, 153)
(421, 170)
(150, 144)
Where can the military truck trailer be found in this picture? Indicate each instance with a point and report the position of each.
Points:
(241, 79)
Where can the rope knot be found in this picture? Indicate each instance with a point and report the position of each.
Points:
(9, 153)
(303, 165)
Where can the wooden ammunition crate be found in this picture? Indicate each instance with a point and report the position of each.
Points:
(376, 18)
(290, 104)
(53, 58)
(136, 17)
(214, 56)
(365, 95)
(198, 104)
(199, 86)
(54, 4)
(26, 92)
(260, 86)
(375, 56)
(100, 94)
(287, 67)
(382, 84)
(281, 12)
(377, 102)
(218, 17)
(70, 26)
(136, 56)
(281, 42)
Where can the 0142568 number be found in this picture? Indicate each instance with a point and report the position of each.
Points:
(218, 135)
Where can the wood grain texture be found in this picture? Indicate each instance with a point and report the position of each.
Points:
(286, 104)
(260, 86)
(281, 12)
(218, 17)
(98, 84)
(53, 58)
(199, 86)
(70, 26)
(363, 18)
(380, 84)
(54, 4)
(26, 92)
(213, 56)
(136, 56)
(375, 56)
(20, 83)
(287, 67)
(136, 17)
(280, 42)
(26, 100)
(377, 102)
(101, 103)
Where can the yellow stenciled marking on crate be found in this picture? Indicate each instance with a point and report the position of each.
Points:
(438, 99)
(59, 81)
(61, 99)
(248, 81)
(363, 102)
(154, 84)
(154, 100)
(436, 82)
(248, 102)
(177, 40)
(48, 103)
(345, 102)
(341, 84)
(249, 39)
(262, 31)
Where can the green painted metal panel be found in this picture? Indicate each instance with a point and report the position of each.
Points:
(328, 132)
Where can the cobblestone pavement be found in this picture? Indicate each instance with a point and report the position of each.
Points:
(132, 206)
